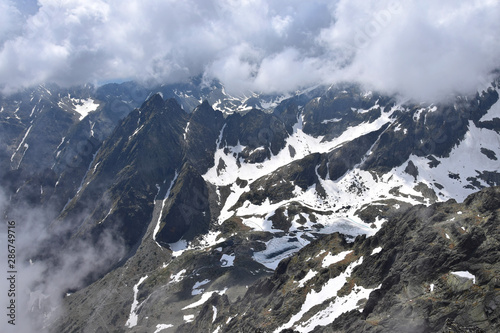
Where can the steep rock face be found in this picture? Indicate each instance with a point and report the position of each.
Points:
(38, 147)
(187, 213)
(49, 131)
(32, 123)
(280, 185)
(142, 151)
(426, 266)
(341, 107)
(340, 160)
(262, 134)
(428, 131)
(45, 115)
(288, 111)
(201, 135)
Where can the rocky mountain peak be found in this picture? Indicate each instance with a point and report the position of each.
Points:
(154, 101)
(205, 112)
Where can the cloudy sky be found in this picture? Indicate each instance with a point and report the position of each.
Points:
(419, 48)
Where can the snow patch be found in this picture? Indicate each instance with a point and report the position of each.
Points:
(196, 288)
(158, 222)
(465, 274)
(95, 167)
(133, 317)
(62, 141)
(105, 217)
(21, 145)
(204, 298)
(161, 327)
(330, 259)
(320, 253)
(465, 159)
(212, 238)
(188, 318)
(177, 277)
(361, 111)
(32, 111)
(227, 260)
(84, 106)
(186, 130)
(135, 132)
(306, 278)
(214, 309)
(417, 114)
(303, 143)
(334, 120)
(178, 247)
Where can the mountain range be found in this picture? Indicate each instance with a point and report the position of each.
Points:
(185, 209)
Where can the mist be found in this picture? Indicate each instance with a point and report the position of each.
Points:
(48, 266)
(425, 50)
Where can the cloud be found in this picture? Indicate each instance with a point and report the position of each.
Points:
(45, 268)
(422, 49)
(9, 20)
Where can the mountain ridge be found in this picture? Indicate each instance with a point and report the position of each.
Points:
(208, 202)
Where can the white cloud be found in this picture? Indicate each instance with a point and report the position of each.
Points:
(423, 49)
(10, 18)
(289, 70)
(45, 268)
(280, 24)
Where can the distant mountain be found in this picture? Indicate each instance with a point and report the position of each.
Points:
(335, 207)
